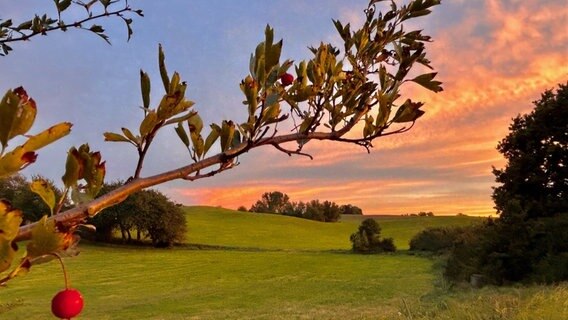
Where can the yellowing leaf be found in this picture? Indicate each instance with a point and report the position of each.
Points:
(16, 160)
(130, 135)
(7, 252)
(182, 134)
(17, 114)
(8, 110)
(44, 190)
(115, 137)
(20, 270)
(26, 113)
(48, 136)
(10, 221)
(195, 124)
(148, 123)
(45, 239)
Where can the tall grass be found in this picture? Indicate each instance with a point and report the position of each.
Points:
(491, 303)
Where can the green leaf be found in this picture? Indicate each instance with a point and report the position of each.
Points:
(6, 23)
(73, 166)
(145, 88)
(130, 135)
(148, 124)
(43, 189)
(198, 145)
(271, 113)
(181, 118)
(236, 139)
(174, 83)
(195, 124)
(62, 5)
(182, 134)
(97, 28)
(272, 56)
(227, 132)
(115, 137)
(163, 71)
(384, 111)
(24, 25)
(408, 112)
(426, 80)
(212, 137)
(105, 3)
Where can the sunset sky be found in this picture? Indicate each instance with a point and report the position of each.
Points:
(494, 57)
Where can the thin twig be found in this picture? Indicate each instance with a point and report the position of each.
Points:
(290, 152)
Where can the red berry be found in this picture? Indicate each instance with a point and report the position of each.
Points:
(67, 304)
(286, 79)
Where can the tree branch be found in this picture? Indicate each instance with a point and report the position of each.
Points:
(76, 24)
(82, 212)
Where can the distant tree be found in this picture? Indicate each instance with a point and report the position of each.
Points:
(350, 209)
(367, 239)
(16, 189)
(160, 219)
(331, 211)
(148, 213)
(314, 211)
(536, 149)
(242, 209)
(295, 209)
(271, 202)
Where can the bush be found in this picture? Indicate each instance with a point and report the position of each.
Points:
(535, 251)
(435, 240)
(367, 239)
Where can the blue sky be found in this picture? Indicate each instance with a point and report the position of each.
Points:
(495, 57)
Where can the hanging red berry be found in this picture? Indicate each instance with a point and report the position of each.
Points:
(67, 304)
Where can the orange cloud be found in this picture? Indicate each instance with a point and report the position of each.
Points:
(493, 62)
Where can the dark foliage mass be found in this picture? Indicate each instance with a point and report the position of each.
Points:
(437, 240)
(529, 241)
(367, 239)
(534, 183)
(148, 214)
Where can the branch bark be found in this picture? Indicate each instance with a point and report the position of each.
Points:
(90, 209)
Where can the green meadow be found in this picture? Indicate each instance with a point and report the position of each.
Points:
(253, 266)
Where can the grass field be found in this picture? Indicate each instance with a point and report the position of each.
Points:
(272, 267)
(224, 227)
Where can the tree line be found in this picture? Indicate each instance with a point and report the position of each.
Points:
(277, 202)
